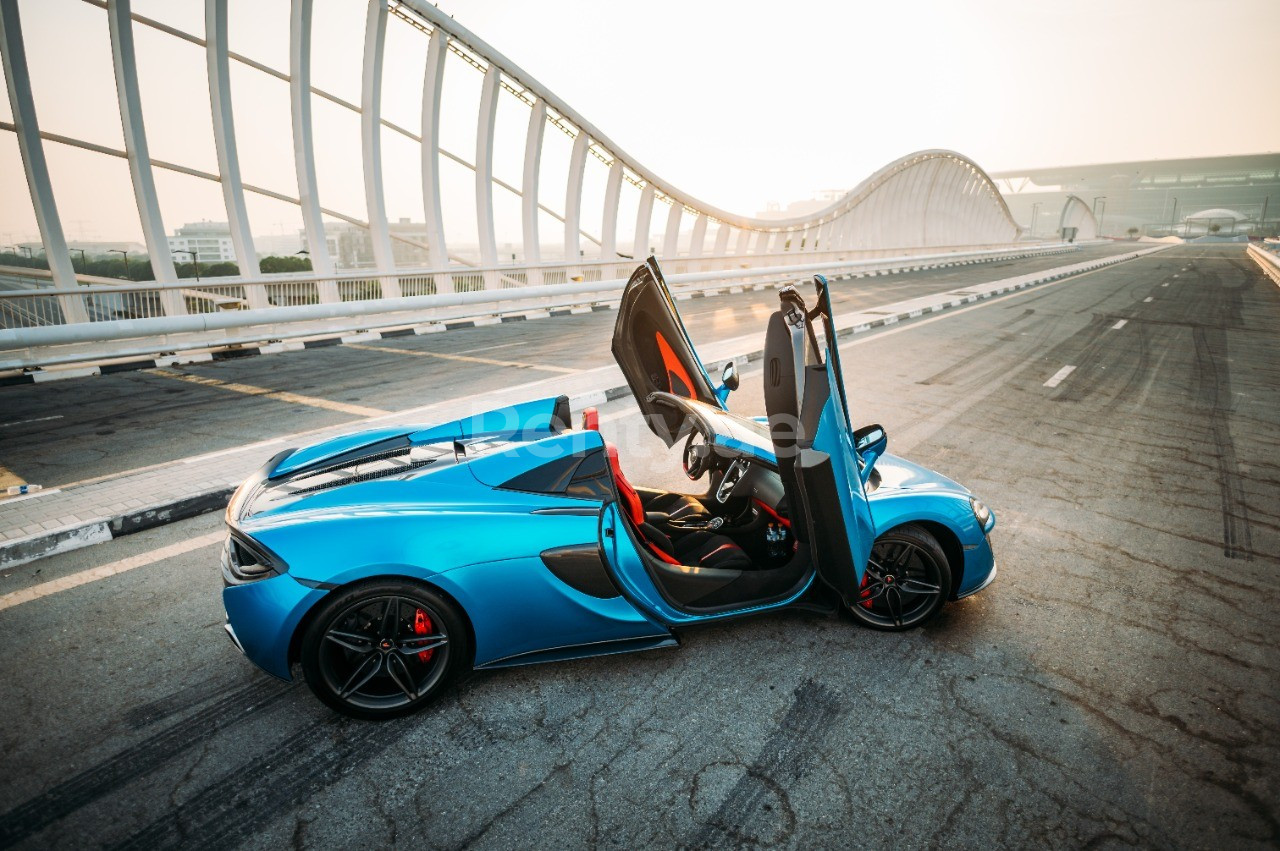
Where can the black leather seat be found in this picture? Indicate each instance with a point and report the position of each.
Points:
(695, 549)
(662, 506)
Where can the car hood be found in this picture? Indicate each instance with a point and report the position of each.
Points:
(895, 474)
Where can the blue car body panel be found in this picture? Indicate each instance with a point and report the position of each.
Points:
(455, 516)
(265, 616)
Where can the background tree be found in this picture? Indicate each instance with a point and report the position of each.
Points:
(275, 264)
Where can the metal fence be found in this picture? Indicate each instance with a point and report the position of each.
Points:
(137, 319)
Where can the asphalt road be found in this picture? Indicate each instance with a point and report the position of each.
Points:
(57, 433)
(1118, 685)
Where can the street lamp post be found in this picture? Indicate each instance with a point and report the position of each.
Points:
(125, 254)
(195, 259)
(84, 263)
(1173, 220)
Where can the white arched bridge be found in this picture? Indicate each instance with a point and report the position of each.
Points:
(569, 228)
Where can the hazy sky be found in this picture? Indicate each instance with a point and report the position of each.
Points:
(737, 103)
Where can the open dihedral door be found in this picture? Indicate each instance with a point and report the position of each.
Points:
(813, 441)
(653, 350)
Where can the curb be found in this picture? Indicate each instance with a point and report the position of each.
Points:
(23, 550)
(41, 545)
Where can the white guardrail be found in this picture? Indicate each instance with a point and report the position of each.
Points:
(1268, 259)
(138, 319)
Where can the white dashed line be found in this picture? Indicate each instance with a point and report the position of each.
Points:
(1147, 299)
(84, 577)
(1119, 325)
(1059, 376)
(1165, 284)
(36, 420)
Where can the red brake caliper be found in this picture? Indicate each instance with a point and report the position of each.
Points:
(422, 626)
(866, 580)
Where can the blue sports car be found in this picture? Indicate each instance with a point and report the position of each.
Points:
(388, 561)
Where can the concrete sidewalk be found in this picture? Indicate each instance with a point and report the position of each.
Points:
(93, 511)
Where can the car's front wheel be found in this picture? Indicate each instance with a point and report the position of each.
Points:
(906, 582)
(379, 650)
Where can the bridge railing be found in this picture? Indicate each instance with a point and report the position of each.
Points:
(1267, 259)
(130, 320)
(34, 302)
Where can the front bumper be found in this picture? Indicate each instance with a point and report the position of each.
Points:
(979, 566)
(991, 577)
(263, 616)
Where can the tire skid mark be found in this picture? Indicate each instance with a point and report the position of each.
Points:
(1214, 379)
(136, 761)
(1082, 350)
(784, 759)
(147, 714)
(948, 375)
(238, 804)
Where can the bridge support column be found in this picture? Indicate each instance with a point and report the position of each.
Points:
(529, 190)
(573, 202)
(224, 142)
(484, 175)
(31, 147)
(304, 153)
(432, 80)
(644, 218)
(609, 224)
(135, 144)
(375, 38)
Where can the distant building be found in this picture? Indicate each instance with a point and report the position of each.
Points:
(352, 248)
(1240, 194)
(278, 245)
(210, 240)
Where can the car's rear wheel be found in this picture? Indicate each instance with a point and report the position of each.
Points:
(906, 582)
(379, 650)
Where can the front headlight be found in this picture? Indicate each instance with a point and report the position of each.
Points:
(244, 561)
(980, 512)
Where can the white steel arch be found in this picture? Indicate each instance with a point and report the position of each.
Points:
(1077, 214)
(927, 200)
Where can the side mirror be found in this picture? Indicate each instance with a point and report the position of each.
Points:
(870, 442)
(729, 378)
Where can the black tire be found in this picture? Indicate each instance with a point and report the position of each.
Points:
(383, 649)
(907, 581)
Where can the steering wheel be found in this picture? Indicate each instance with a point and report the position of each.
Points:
(697, 455)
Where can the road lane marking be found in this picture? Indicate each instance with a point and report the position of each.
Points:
(1059, 375)
(1165, 284)
(1147, 299)
(93, 574)
(464, 358)
(278, 395)
(36, 420)
(490, 348)
(1119, 325)
(8, 479)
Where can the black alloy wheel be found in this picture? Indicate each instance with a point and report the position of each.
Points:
(383, 649)
(906, 583)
